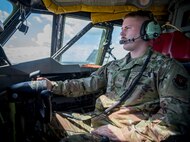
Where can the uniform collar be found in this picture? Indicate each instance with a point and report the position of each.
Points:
(127, 62)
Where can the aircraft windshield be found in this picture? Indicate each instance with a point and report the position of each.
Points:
(85, 50)
(33, 41)
(33, 44)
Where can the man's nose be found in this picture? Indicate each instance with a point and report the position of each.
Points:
(123, 33)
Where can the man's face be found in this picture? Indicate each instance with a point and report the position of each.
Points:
(130, 30)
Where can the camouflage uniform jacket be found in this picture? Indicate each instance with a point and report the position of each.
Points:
(160, 99)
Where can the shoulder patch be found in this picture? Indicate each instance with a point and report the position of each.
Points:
(180, 81)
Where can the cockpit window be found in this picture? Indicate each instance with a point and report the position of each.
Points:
(33, 43)
(72, 27)
(6, 9)
(84, 51)
(88, 49)
(116, 49)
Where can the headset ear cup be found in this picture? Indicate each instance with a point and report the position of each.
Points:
(150, 29)
(143, 32)
(153, 30)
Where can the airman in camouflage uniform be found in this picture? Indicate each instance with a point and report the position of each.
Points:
(158, 106)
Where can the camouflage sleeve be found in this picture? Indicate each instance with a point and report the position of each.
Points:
(173, 116)
(79, 87)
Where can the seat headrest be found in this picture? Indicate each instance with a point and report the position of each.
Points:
(175, 45)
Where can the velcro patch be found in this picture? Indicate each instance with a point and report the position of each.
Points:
(180, 81)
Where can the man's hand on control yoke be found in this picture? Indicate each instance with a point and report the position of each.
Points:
(48, 82)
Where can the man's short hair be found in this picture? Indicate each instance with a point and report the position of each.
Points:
(140, 13)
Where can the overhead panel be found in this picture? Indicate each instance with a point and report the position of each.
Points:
(102, 10)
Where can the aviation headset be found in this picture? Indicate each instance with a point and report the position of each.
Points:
(150, 29)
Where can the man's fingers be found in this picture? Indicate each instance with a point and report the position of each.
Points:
(41, 78)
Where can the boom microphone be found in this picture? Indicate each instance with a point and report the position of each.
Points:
(123, 41)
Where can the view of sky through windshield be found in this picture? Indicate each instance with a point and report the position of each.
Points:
(37, 42)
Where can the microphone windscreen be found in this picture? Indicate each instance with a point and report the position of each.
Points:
(121, 41)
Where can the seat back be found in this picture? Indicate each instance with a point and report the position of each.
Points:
(175, 45)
